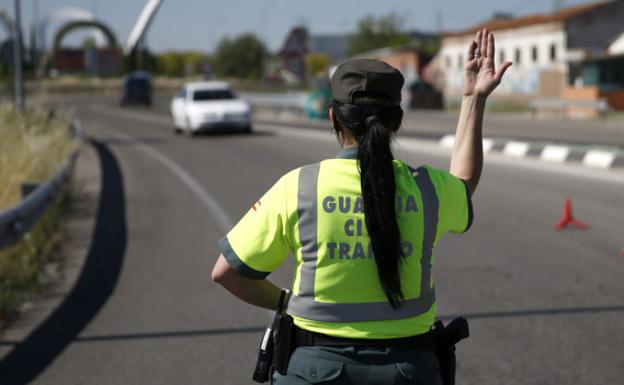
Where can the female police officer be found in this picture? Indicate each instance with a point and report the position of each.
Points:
(362, 228)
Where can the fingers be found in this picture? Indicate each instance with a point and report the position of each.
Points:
(483, 43)
(472, 50)
(502, 69)
(490, 45)
(477, 51)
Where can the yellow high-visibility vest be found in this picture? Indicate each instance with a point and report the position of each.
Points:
(317, 213)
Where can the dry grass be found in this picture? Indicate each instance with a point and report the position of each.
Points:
(32, 147)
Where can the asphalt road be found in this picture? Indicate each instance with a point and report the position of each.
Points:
(431, 124)
(545, 307)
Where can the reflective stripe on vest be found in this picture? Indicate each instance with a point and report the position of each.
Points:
(304, 306)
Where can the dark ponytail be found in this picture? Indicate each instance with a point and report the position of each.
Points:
(372, 128)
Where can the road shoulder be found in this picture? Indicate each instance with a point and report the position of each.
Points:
(61, 275)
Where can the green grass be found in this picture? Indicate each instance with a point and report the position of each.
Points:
(32, 148)
(20, 264)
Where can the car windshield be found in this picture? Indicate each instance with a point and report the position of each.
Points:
(212, 95)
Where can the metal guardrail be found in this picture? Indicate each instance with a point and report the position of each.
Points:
(20, 219)
(599, 105)
(293, 102)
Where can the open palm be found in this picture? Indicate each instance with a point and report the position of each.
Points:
(480, 75)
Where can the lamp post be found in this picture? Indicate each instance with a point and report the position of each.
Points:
(17, 59)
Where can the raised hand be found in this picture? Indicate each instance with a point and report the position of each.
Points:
(480, 75)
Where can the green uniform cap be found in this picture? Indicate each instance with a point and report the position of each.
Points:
(366, 81)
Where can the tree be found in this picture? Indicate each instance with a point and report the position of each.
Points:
(194, 61)
(181, 63)
(373, 33)
(171, 64)
(316, 63)
(241, 57)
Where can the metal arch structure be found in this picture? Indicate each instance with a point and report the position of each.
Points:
(61, 17)
(64, 30)
(72, 25)
(140, 28)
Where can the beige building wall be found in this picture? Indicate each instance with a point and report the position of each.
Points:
(540, 70)
(617, 47)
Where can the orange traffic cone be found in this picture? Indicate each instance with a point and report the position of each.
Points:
(568, 217)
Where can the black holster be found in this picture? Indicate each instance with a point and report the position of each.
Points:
(278, 344)
(283, 342)
(446, 337)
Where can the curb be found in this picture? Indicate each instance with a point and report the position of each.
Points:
(589, 156)
(592, 156)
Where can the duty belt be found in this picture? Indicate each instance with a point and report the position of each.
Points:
(424, 341)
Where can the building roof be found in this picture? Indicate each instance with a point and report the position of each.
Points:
(504, 23)
(296, 43)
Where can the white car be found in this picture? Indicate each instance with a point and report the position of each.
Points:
(209, 106)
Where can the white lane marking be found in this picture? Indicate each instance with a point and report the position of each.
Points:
(222, 219)
(552, 153)
(599, 159)
(572, 170)
(516, 149)
(448, 141)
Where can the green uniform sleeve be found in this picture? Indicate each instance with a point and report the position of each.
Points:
(259, 242)
(455, 211)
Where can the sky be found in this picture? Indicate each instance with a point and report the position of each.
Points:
(200, 24)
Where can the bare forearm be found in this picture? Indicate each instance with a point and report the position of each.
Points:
(467, 157)
(260, 293)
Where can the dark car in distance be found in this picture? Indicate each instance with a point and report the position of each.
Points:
(137, 89)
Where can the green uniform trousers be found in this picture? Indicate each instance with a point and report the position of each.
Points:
(360, 366)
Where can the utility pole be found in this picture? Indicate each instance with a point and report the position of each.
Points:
(17, 60)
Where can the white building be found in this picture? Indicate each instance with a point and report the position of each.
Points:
(547, 50)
